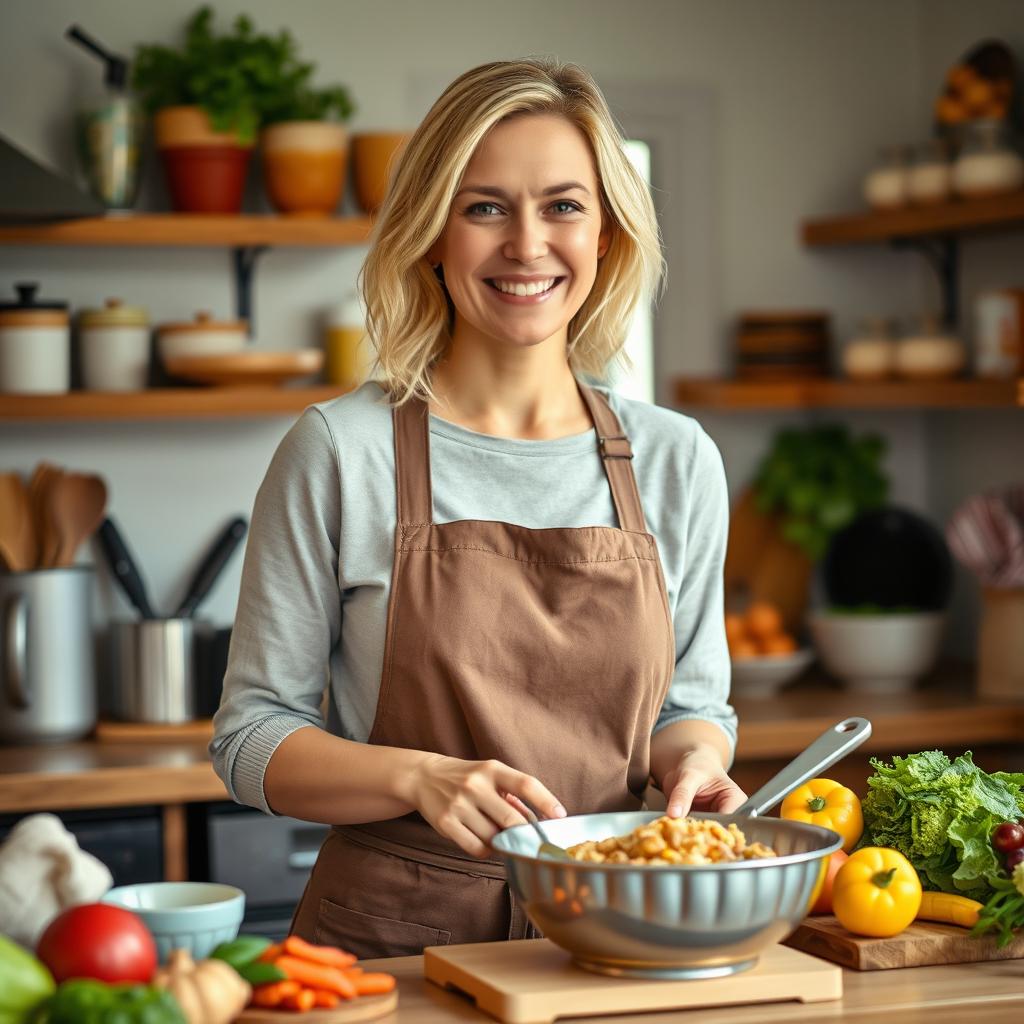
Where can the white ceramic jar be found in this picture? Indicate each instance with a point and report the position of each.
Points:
(114, 347)
(930, 179)
(988, 164)
(885, 187)
(871, 353)
(202, 336)
(35, 345)
(930, 352)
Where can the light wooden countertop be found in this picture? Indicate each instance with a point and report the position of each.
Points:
(112, 774)
(992, 993)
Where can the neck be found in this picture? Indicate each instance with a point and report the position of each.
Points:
(527, 393)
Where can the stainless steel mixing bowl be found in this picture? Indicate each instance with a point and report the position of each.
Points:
(679, 921)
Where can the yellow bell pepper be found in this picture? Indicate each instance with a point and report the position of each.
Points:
(826, 803)
(876, 892)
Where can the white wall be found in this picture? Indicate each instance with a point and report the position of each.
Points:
(802, 92)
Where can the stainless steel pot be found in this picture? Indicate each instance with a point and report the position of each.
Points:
(154, 670)
(47, 655)
(679, 921)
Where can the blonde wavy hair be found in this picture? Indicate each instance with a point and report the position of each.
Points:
(408, 311)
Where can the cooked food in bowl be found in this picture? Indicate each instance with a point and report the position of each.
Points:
(666, 841)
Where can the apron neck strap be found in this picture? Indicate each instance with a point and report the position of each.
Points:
(617, 456)
(412, 462)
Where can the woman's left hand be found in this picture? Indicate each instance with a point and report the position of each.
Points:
(699, 782)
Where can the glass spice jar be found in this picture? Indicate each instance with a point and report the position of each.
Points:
(989, 163)
(885, 187)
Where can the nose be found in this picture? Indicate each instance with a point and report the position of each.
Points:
(526, 241)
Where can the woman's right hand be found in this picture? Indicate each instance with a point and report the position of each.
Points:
(469, 801)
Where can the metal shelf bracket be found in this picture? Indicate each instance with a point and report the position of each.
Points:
(243, 258)
(943, 253)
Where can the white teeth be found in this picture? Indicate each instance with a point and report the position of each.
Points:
(518, 288)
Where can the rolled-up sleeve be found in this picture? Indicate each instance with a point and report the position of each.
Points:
(700, 683)
(289, 611)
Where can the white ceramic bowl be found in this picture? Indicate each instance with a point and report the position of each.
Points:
(196, 916)
(877, 653)
(764, 676)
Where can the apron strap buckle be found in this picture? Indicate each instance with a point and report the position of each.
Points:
(617, 447)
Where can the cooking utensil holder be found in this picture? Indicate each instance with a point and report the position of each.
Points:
(1001, 644)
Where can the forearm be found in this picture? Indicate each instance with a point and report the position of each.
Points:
(689, 734)
(316, 776)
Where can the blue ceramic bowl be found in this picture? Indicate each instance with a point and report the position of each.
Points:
(196, 916)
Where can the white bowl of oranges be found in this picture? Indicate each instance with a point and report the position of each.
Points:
(764, 655)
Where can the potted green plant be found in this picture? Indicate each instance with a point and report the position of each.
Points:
(207, 98)
(810, 484)
(304, 142)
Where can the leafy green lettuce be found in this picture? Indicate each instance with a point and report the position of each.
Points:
(940, 815)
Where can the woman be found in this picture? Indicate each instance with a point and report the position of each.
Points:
(473, 547)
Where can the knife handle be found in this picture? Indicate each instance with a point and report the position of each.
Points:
(207, 573)
(122, 565)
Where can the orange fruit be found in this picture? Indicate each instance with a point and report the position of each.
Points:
(763, 619)
(744, 649)
(735, 628)
(781, 643)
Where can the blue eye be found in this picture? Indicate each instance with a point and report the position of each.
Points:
(475, 209)
(483, 210)
(567, 206)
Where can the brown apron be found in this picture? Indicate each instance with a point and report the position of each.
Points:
(550, 650)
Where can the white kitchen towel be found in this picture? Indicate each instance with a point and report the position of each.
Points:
(42, 871)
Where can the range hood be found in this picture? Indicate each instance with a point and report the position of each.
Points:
(30, 192)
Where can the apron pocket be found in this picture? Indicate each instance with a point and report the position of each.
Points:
(368, 936)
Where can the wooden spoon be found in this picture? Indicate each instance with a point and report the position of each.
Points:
(18, 542)
(38, 490)
(77, 503)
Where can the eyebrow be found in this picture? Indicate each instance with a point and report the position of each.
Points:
(491, 190)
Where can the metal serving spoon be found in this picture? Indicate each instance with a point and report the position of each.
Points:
(547, 848)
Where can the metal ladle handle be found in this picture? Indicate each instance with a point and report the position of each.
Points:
(829, 747)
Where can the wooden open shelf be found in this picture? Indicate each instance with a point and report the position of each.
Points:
(954, 218)
(730, 395)
(165, 403)
(191, 230)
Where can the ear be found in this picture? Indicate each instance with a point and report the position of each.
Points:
(604, 239)
(433, 254)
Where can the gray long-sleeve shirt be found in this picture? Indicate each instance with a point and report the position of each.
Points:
(314, 593)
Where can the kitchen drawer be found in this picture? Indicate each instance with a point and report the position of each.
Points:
(269, 858)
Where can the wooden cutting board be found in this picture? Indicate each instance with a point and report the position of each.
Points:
(533, 981)
(922, 944)
(361, 1009)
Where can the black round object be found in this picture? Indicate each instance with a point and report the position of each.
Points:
(889, 557)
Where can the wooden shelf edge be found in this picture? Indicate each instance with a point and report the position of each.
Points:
(165, 403)
(181, 229)
(728, 394)
(958, 217)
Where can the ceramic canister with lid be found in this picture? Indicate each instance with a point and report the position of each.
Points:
(35, 344)
(114, 346)
(202, 336)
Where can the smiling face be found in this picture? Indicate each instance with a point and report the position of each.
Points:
(524, 233)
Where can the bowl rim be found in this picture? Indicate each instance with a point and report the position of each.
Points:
(194, 908)
(835, 843)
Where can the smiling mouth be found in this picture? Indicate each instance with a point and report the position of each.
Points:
(555, 284)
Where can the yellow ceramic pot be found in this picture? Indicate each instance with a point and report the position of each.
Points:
(304, 166)
(374, 156)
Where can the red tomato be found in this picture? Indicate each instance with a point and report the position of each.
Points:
(823, 904)
(96, 940)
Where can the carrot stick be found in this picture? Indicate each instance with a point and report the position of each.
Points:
(273, 992)
(316, 975)
(353, 972)
(329, 955)
(328, 1000)
(374, 984)
(268, 955)
(303, 1000)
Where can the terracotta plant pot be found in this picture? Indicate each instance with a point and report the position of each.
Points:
(374, 155)
(304, 166)
(205, 168)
